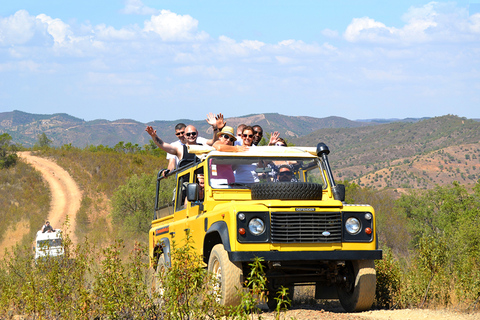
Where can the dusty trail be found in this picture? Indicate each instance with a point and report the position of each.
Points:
(66, 196)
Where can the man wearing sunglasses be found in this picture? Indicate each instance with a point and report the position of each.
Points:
(180, 133)
(285, 174)
(190, 135)
(258, 134)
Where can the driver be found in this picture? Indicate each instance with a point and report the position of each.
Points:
(285, 174)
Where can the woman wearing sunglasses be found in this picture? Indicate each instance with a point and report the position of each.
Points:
(247, 136)
(226, 140)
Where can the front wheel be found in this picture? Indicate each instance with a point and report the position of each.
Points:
(229, 275)
(359, 293)
(156, 280)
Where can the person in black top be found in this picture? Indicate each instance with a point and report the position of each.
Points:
(47, 227)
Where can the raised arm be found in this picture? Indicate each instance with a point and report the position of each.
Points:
(217, 122)
(273, 138)
(167, 147)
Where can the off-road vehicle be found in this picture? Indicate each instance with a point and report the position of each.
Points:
(302, 228)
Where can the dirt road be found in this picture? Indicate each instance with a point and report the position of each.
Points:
(66, 196)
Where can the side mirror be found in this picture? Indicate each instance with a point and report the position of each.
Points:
(192, 192)
(339, 192)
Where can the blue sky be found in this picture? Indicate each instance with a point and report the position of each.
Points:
(167, 60)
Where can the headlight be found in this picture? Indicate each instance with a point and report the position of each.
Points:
(256, 226)
(353, 225)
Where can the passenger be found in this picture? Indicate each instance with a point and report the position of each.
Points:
(285, 174)
(226, 141)
(258, 132)
(47, 227)
(180, 151)
(245, 173)
(201, 189)
(239, 141)
(180, 133)
(191, 138)
(274, 138)
(248, 136)
(280, 142)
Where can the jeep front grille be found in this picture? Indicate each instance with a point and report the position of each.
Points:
(306, 227)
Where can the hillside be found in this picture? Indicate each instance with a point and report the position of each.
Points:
(404, 155)
(64, 129)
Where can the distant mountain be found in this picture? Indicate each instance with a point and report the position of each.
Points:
(64, 129)
(410, 154)
(397, 154)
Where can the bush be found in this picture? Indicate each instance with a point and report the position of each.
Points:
(388, 280)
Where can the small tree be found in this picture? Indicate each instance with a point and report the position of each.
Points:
(43, 141)
(8, 155)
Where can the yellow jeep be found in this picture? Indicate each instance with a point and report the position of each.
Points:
(298, 222)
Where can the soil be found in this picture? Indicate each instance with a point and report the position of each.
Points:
(334, 311)
(66, 199)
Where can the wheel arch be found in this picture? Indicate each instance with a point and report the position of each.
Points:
(162, 246)
(217, 233)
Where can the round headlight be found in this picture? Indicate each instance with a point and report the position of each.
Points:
(256, 226)
(352, 225)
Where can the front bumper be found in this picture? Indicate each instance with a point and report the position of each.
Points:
(247, 256)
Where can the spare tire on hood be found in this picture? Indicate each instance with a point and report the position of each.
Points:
(287, 191)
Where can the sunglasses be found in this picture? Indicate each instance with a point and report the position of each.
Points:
(248, 135)
(193, 134)
(226, 136)
(278, 144)
(259, 132)
(285, 173)
(179, 133)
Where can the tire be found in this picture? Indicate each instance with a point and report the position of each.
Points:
(272, 294)
(360, 294)
(229, 275)
(156, 287)
(287, 191)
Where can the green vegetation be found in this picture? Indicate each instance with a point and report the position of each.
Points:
(430, 240)
(92, 283)
(8, 156)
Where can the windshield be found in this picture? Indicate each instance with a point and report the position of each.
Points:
(50, 243)
(243, 172)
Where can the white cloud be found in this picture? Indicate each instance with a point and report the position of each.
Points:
(109, 33)
(434, 22)
(59, 30)
(17, 29)
(366, 29)
(173, 27)
(137, 7)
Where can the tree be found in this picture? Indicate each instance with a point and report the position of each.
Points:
(8, 155)
(43, 140)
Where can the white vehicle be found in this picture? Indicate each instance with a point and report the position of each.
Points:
(49, 244)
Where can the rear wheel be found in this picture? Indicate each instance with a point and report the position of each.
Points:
(229, 275)
(359, 293)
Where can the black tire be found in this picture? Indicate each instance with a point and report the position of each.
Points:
(287, 191)
(272, 294)
(229, 275)
(361, 293)
(156, 286)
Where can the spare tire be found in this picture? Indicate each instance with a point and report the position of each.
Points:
(287, 191)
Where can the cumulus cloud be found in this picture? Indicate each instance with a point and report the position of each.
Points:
(137, 7)
(59, 30)
(173, 27)
(433, 22)
(18, 28)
